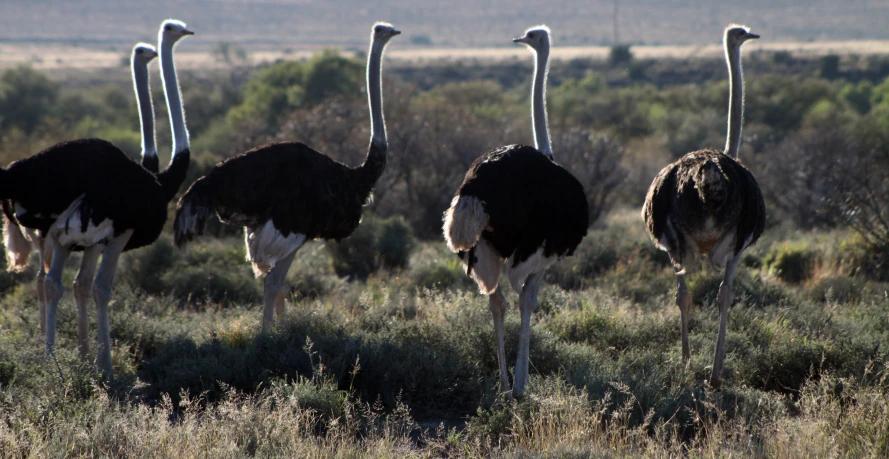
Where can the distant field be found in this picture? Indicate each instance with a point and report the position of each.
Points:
(57, 56)
(275, 24)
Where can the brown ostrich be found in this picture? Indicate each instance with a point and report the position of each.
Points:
(707, 203)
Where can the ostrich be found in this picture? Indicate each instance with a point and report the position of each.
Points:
(518, 211)
(286, 193)
(19, 245)
(708, 203)
(101, 202)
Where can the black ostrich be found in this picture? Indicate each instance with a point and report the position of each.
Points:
(519, 211)
(101, 202)
(286, 193)
(707, 203)
(19, 244)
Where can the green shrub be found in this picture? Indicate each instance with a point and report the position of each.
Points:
(375, 243)
(619, 54)
(441, 274)
(395, 243)
(791, 262)
(144, 268)
(357, 256)
(835, 289)
(214, 270)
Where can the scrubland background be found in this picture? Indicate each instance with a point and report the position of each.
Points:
(388, 350)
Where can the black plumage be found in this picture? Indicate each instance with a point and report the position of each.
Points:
(517, 211)
(532, 202)
(113, 187)
(299, 189)
(88, 195)
(286, 193)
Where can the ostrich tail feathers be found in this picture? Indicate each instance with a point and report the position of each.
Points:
(711, 183)
(18, 248)
(464, 222)
(192, 212)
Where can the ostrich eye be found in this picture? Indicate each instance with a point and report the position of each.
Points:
(138, 51)
(168, 28)
(531, 35)
(378, 29)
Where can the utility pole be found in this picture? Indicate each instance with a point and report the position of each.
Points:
(616, 31)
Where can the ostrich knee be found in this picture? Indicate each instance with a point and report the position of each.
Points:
(101, 293)
(54, 289)
(41, 296)
(82, 296)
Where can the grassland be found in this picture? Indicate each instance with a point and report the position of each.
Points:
(403, 364)
(61, 57)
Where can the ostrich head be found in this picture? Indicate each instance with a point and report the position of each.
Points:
(143, 53)
(536, 37)
(382, 32)
(172, 30)
(736, 35)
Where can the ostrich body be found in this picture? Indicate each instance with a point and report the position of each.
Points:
(286, 193)
(19, 245)
(517, 211)
(707, 203)
(101, 202)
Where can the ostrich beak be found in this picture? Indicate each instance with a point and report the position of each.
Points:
(395, 32)
(187, 32)
(520, 40)
(752, 35)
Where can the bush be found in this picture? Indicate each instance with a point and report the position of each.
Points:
(375, 243)
(214, 271)
(791, 262)
(395, 243)
(145, 267)
(619, 54)
(356, 256)
(835, 289)
(441, 274)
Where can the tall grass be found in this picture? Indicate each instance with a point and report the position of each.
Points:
(403, 363)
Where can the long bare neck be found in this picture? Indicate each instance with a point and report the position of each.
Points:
(146, 108)
(375, 95)
(174, 99)
(538, 102)
(735, 102)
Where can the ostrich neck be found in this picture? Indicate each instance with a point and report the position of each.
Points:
(538, 97)
(146, 108)
(735, 103)
(375, 94)
(174, 99)
(375, 162)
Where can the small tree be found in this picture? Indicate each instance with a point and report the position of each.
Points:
(619, 55)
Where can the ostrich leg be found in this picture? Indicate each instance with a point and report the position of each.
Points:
(102, 295)
(44, 255)
(82, 289)
(725, 300)
(527, 304)
(279, 302)
(54, 289)
(274, 282)
(497, 303)
(683, 300)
